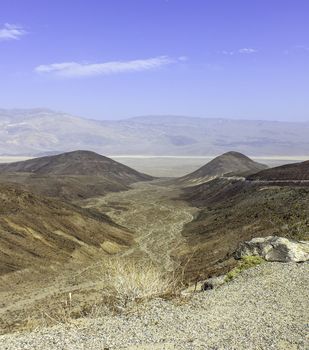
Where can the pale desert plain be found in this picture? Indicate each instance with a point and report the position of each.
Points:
(174, 166)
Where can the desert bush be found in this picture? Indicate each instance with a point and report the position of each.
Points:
(126, 280)
(245, 263)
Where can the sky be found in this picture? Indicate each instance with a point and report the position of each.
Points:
(114, 59)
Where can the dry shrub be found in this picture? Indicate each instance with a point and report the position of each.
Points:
(125, 281)
(62, 312)
(121, 282)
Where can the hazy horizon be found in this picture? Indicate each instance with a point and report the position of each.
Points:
(150, 115)
(115, 60)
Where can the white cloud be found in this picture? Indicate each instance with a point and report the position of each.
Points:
(247, 50)
(244, 50)
(75, 69)
(11, 32)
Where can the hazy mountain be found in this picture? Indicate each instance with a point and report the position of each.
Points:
(42, 131)
(72, 175)
(230, 162)
(37, 232)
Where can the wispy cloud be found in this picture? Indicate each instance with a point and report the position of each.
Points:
(247, 50)
(11, 32)
(228, 53)
(75, 69)
(244, 50)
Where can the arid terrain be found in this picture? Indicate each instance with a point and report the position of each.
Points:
(154, 175)
(58, 241)
(151, 211)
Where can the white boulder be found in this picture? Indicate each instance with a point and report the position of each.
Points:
(275, 248)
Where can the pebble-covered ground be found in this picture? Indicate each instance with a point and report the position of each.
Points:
(265, 308)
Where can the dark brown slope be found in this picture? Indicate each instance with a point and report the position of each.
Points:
(230, 162)
(289, 172)
(71, 176)
(234, 210)
(77, 163)
(36, 232)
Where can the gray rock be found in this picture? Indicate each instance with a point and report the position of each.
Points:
(275, 248)
(213, 283)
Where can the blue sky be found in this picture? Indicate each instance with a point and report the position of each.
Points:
(111, 59)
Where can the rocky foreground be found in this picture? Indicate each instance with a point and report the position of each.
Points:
(266, 307)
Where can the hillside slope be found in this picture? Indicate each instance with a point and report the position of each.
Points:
(235, 210)
(289, 172)
(36, 232)
(73, 175)
(227, 163)
(77, 163)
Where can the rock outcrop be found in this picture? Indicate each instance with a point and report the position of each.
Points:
(275, 248)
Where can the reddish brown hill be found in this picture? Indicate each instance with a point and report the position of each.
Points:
(77, 163)
(71, 176)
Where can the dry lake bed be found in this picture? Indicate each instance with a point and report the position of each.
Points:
(173, 166)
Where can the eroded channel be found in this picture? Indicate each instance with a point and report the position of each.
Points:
(151, 211)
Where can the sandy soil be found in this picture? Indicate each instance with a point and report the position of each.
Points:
(156, 219)
(265, 308)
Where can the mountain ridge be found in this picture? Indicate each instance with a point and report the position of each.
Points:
(292, 172)
(33, 131)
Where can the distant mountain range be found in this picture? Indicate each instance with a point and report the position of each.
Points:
(34, 132)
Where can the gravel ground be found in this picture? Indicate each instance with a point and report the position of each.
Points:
(266, 307)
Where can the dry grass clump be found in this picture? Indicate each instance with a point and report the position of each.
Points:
(69, 310)
(125, 281)
(115, 284)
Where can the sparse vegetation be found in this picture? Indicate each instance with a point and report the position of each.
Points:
(244, 264)
(235, 211)
(126, 281)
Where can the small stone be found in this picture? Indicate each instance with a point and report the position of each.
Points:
(213, 283)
